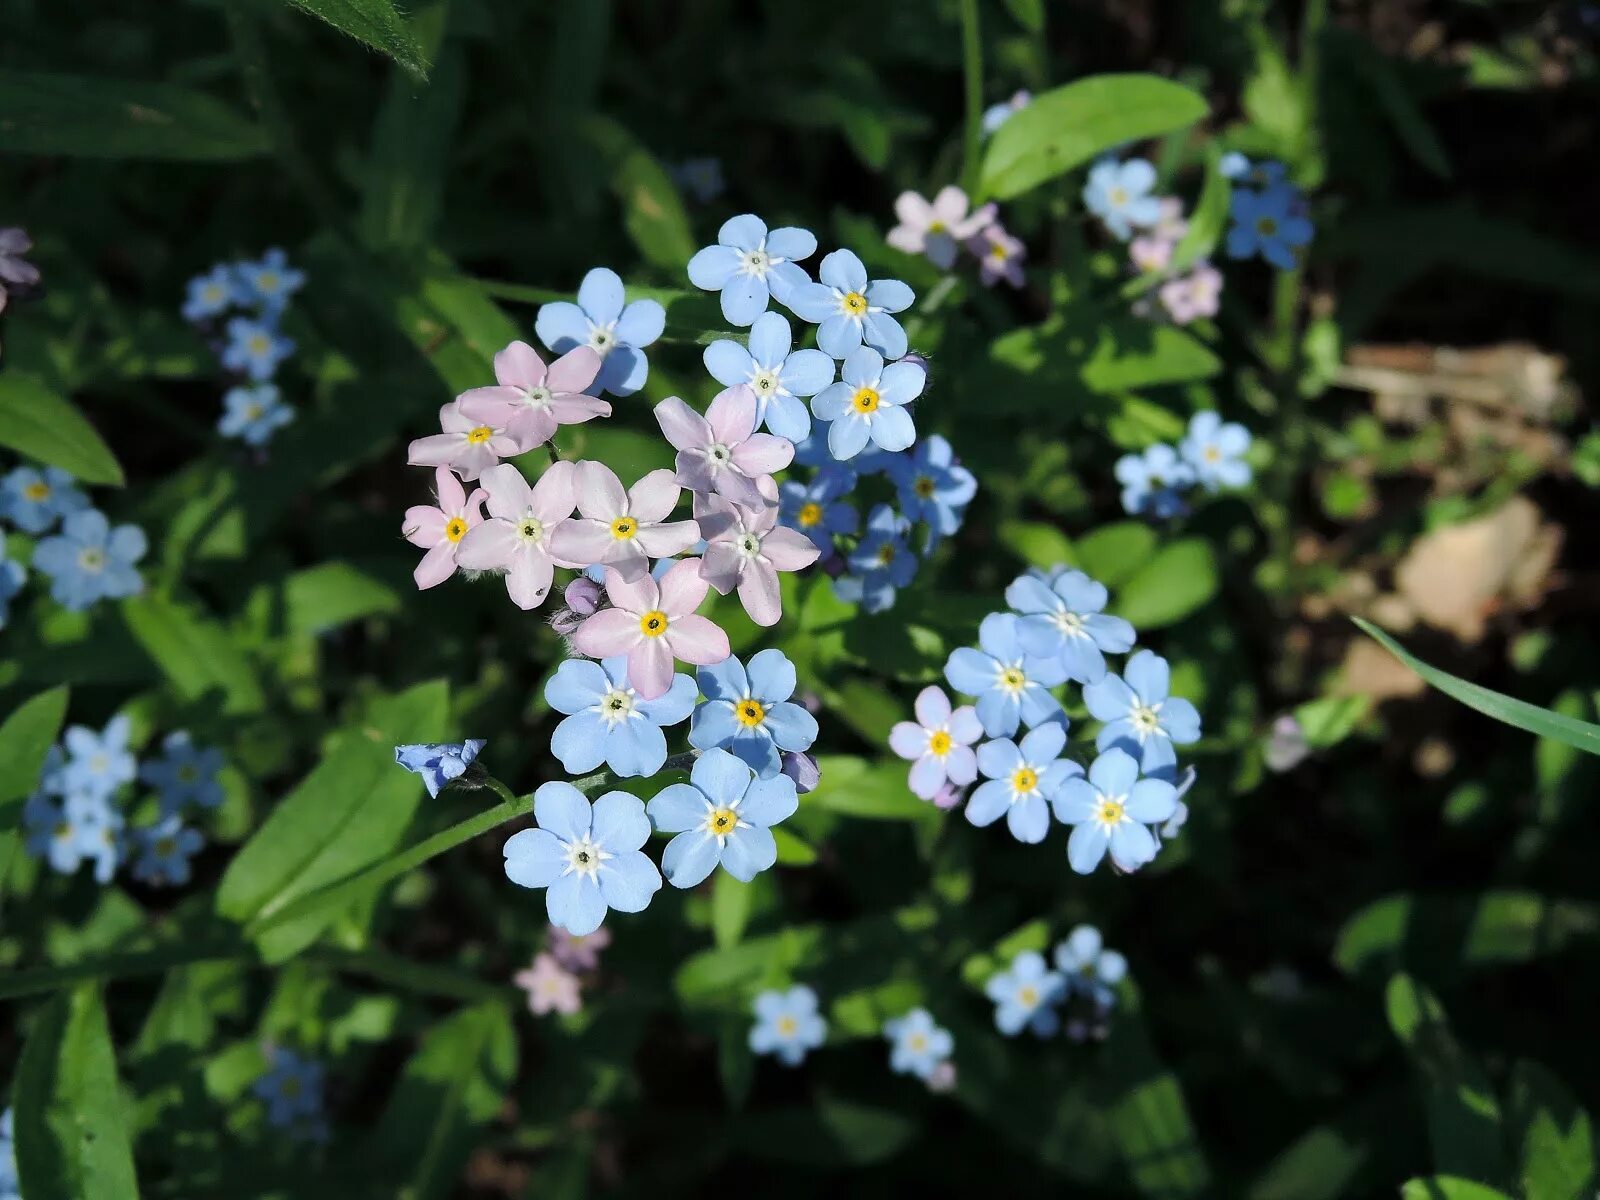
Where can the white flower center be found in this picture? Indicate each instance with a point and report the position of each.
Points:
(536, 397)
(91, 559)
(718, 455)
(616, 706)
(530, 529)
(1146, 720)
(748, 544)
(764, 382)
(601, 339)
(755, 262)
(1069, 623)
(1011, 677)
(584, 856)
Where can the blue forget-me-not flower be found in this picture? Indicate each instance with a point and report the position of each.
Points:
(1270, 222)
(255, 347)
(817, 509)
(439, 762)
(34, 500)
(211, 294)
(917, 1044)
(292, 1089)
(163, 850)
(185, 776)
(1119, 194)
(608, 722)
(1215, 450)
(722, 815)
(616, 331)
(934, 488)
(1153, 482)
(852, 310)
(868, 404)
(788, 1025)
(1011, 687)
(253, 414)
(88, 561)
(881, 563)
(1111, 810)
(778, 374)
(1140, 715)
(1021, 780)
(1088, 967)
(1063, 620)
(1026, 995)
(269, 283)
(748, 713)
(748, 264)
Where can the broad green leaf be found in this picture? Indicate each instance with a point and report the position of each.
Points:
(1037, 544)
(1125, 359)
(1029, 14)
(1067, 126)
(332, 594)
(197, 655)
(35, 422)
(1318, 1166)
(1449, 1187)
(91, 116)
(1441, 934)
(1113, 553)
(731, 901)
(876, 791)
(1535, 720)
(652, 210)
(1329, 720)
(1551, 1136)
(71, 1140)
(375, 22)
(793, 851)
(1209, 219)
(25, 739)
(1179, 579)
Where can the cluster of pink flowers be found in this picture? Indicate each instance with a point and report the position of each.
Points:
(1187, 296)
(939, 228)
(554, 981)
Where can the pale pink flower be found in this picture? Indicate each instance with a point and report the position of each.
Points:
(721, 452)
(942, 1078)
(624, 529)
(532, 400)
(439, 530)
(653, 624)
(938, 744)
(577, 952)
(937, 229)
(550, 987)
(745, 549)
(1197, 294)
(1170, 226)
(468, 447)
(516, 538)
(1000, 256)
(1150, 253)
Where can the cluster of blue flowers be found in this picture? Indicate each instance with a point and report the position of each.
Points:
(292, 1088)
(75, 814)
(254, 345)
(788, 1026)
(1269, 215)
(1029, 995)
(1158, 482)
(78, 550)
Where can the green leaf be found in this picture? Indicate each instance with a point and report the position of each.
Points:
(1036, 543)
(792, 851)
(1329, 720)
(332, 594)
(1449, 1187)
(1114, 552)
(731, 902)
(1441, 934)
(1126, 359)
(1028, 13)
(90, 116)
(1179, 579)
(25, 739)
(1070, 125)
(1535, 720)
(856, 787)
(1551, 1135)
(1209, 219)
(34, 421)
(652, 211)
(196, 654)
(374, 22)
(71, 1141)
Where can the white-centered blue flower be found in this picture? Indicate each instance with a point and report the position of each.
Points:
(97, 763)
(1088, 967)
(722, 815)
(1140, 715)
(1153, 483)
(1110, 811)
(587, 857)
(748, 264)
(255, 347)
(64, 831)
(162, 852)
(1215, 450)
(778, 374)
(868, 404)
(1063, 620)
(1026, 995)
(851, 309)
(602, 320)
(1022, 779)
(1011, 687)
(185, 776)
(439, 762)
(607, 721)
(88, 561)
(1119, 194)
(253, 414)
(788, 1025)
(269, 283)
(918, 1045)
(34, 500)
(747, 712)
(212, 294)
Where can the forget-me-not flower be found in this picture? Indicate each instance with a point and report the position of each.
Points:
(608, 722)
(269, 283)
(851, 309)
(881, 563)
(748, 713)
(34, 500)
(616, 331)
(1022, 780)
(722, 815)
(1119, 194)
(1111, 810)
(868, 404)
(997, 115)
(185, 776)
(97, 764)
(817, 509)
(65, 830)
(253, 414)
(255, 348)
(778, 375)
(89, 561)
(1215, 450)
(550, 986)
(917, 1044)
(748, 264)
(1088, 967)
(788, 1025)
(1063, 620)
(1153, 482)
(587, 857)
(291, 1087)
(1139, 713)
(439, 762)
(936, 229)
(12, 576)
(934, 487)
(1026, 995)
(938, 744)
(1011, 686)
(211, 294)
(1270, 222)
(163, 850)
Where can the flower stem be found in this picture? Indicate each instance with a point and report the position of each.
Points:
(972, 69)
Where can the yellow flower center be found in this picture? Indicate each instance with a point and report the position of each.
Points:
(936, 226)
(37, 491)
(455, 529)
(854, 303)
(1212, 454)
(653, 623)
(166, 847)
(723, 821)
(1111, 812)
(750, 713)
(1267, 227)
(865, 401)
(290, 1086)
(252, 412)
(1024, 779)
(479, 435)
(1117, 196)
(91, 559)
(885, 554)
(267, 281)
(788, 1026)
(259, 343)
(923, 486)
(1028, 995)
(211, 293)
(939, 743)
(624, 528)
(1012, 679)
(810, 514)
(918, 1042)
(997, 252)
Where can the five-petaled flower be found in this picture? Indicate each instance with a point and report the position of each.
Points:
(652, 624)
(817, 509)
(1270, 222)
(938, 743)
(268, 284)
(720, 451)
(1216, 451)
(1140, 715)
(89, 561)
(253, 414)
(934, 488)
(880, 564)
(211, 294)
(777, 374)
(255, 348)
(1026, 995)
(1111, 810)
(788, 1025)
(521, 525)
(1022, 780)
(1010, 685)
(441, 528)
(1152, 482)
(747, 712)
(550, 986)
(936, 229)
(185, 776)
(623, 529)
(851, 309)
(291, 1088)
(868, 404)
(745, 549)
(1119, 194)
(722, 815)
(1000, 256)
(466, 446)
(34, 500)
(917, 1044)
(163, 851)
(607, 720)
(529, 400)
(1089, 967)
(618, 333)
(748, 264)
(1063, 620)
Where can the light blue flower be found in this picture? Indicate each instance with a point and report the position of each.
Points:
(97, 764)
(1119, 194)
(618, 333)
(1140, 715)
(439, 762)
(778, 375)
(211, 294)
(255, 347)
(748, 712)
(868, 404)
(88, 561)
(1153, 482)
(268, 284)
(917, 1045)
(1215, 451)
(748, 264)
(1271, 223)
(163, 852)
(788, 1025)
(253, 414)
(722, 815)
(1111, 810)
(1063, 620)
(1088, 967)
(934, 487)
(817, 510)
(66, 830)
(587, 856)
(1011, 687)
(292, 1089)
(12, 576)
(35, 500)
(608, 722)
(880, 564)
(1237, 167)
(997, 115)
(1026, 996)
(185, 776)
(1021, 781)
(852, 309)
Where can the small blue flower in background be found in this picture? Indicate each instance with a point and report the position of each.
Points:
(917, 1045)
(253, 414)
(88, 561)
(867, 405)
(1063, 620)
(1271, 223)
(1237, 167)
(1153, 482)
(881, 563)
(1119, 194)
(97, 764)
(163, 852)
(1010, 686)
(1026, 996)
(608, 722)
(35, 500)
(748, 265)
(439, 762)
(851, 309)
(66, 830)
(211, 294)
(292, 1089)
(185, 776)
(747, 712)
(617, 332)
(997, 115)
(1216, 451)
(1022, 780)
(934, 487)
(701, 178)
(255, 348)
(12, 576)
(268, 284)
(722, 815)
(1088, 967)
(1140, 715)
(788, 1025)
(1110, 811)
(776, 373)
(816, 508)
(587, 857)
